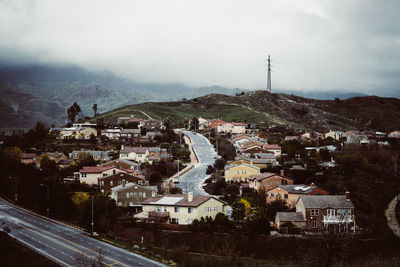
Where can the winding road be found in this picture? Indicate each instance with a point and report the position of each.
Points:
(206, 155)
(64, 245)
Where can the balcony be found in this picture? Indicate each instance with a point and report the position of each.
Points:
(338, 219)
(158, 214)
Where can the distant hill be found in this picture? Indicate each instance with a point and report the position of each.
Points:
(369, 112)
(55, 88)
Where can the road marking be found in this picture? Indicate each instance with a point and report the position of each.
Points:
(41, 251)
(62, 244)
(105, 257)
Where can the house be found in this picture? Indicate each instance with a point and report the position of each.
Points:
(151, 125)
(262, 163)
(335, 135)
(257, 152)
(84, 124)
(123, 164)
(240, 172)
(157, 154)
(180, 209)
(138, 154)
(394, 134)
(64, 163)
(274, 148)
(112, 134)
(97, 155)
(27, 158)
(295, 218)
(90, 174)
(130, 135)
(232, 127)
(325, 213)
(132, 194)
(291, 137)
(312, 136)
(268, 180)
(213, 124)
(55, 156)
(291, 193)
(106, 183)
(82, 133)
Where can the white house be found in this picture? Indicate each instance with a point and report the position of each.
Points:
(232, 127)
(180, 209)
(138, 154)
(89, 174)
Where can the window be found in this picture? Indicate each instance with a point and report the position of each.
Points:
(114, 171)
(111, 183)
(158, 208)
(119, 182)
(127, 194)
(144, 194)
(343, 212)
(189, 221)
(140, 194)
(134, 194)
(314, 212)
(130, 204)
(313, 224)
(104, 174)
(272, 194)
(83, 175)
(190, 210)
(176, 209)
(165, 209)
(102, 183)
(286, 196)
(330, 212)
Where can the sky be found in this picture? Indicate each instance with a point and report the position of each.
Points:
(346, 45)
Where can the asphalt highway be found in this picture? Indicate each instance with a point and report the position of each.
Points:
(64, 245)
(206, 155)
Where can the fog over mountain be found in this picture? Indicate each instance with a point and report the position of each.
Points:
(316, 45)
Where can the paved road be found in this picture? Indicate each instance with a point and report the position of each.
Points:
(62, 244)
(206, 155)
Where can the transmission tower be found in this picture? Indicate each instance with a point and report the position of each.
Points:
(269, 74)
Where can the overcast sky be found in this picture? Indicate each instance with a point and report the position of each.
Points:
(351, 45)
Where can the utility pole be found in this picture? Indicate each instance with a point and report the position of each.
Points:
(269, 74)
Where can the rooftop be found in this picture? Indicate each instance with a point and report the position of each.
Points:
(326, 201)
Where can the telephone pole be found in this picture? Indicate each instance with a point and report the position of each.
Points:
(269, 74)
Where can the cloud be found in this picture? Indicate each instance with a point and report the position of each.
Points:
(315, 44)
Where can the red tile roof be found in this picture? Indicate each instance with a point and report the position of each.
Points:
(95, 169)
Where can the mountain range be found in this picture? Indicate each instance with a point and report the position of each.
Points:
(32, 92)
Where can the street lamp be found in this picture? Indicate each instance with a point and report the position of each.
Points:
(92, 216)
(48, 196)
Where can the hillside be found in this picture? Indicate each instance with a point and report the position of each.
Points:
(60, 86)
(369, 112)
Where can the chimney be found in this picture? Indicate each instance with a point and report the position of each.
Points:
(190, 196)
(123, 183)
(347, 195)
(282, 172)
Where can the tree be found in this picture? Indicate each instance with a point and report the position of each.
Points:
(86, 159)
(73, 111)
(238, 211)
(155, 178)
(94, 109)
(273, 207)
(175, 190)
(48, 166)
(194, 124)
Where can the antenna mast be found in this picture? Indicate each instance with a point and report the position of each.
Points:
(269, 74)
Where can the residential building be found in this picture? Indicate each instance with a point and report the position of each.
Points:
(84, 133)
(138, 154)
(157, 154)
(97, 155)
(213, 124)
(151, 125)
(130, 135)
(64, 163)
(394, 134)
(291, 193)
(273, 148)
(90, 174)
(106, 183)
(325, 213)
(27, 158)
(295, 218)
(112, 134)
(268, 180)
(232, 127)
(180, 209)
(130, 194)
(123, 164)
(240, 172)
(336, 135)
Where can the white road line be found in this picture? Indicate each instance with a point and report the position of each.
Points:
(42, 252)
